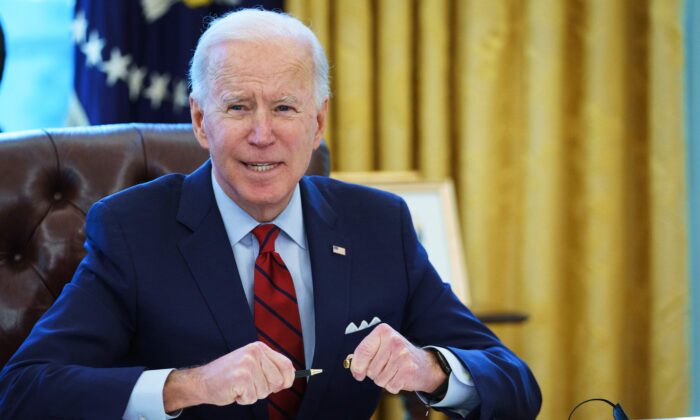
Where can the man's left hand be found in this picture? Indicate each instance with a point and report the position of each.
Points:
(393, 363)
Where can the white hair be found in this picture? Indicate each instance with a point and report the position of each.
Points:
(256, 25)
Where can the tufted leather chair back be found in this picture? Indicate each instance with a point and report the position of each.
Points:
(48, 181)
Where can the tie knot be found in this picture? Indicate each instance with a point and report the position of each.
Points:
(266, 234)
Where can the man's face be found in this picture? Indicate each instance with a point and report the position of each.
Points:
(259, 121)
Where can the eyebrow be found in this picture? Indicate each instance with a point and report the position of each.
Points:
(234, 98)
(288, 99)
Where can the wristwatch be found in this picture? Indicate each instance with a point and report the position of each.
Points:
(440, 391)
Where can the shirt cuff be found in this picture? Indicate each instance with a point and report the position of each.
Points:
(461, 395)
(146, 400)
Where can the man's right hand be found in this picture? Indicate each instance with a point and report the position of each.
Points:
(243, 376)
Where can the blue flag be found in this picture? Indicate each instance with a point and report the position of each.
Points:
(132, 57)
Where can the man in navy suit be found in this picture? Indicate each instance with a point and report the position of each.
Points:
(163, 316)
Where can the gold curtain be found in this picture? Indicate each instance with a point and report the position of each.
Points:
(561, 123)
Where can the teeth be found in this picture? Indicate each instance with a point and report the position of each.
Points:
(261, 167)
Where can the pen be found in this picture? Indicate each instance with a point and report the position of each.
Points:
(307, 372)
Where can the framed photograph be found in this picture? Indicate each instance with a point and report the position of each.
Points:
(434, 211)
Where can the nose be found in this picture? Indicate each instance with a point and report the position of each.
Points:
(261, 133)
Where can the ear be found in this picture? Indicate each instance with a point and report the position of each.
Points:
(321, 124)
(197, 115)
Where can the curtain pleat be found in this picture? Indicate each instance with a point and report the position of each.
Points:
(394, 91)
(355, 91)
(601, 203)
(432, 81)
(669, 366)
(545, 186)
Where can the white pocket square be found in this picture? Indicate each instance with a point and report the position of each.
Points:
(351, 328)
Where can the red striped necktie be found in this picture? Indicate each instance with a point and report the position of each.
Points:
(276, 314)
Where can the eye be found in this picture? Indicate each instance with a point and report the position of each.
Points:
(236, 107)
(284, 108)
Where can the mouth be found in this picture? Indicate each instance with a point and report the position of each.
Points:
(262, 166)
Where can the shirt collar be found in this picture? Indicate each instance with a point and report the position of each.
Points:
(239, 223)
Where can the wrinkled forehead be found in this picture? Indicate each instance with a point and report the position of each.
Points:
(265, 59)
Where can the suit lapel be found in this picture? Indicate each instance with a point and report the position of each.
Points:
(210, 259)
(331, 283)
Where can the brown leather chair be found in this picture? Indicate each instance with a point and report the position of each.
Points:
(48, 181)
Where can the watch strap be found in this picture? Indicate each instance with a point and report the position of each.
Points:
(440, 391)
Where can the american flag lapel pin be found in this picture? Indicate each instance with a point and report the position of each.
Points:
(338, 250)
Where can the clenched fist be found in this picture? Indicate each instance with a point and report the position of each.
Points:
(243, 376)
(393, 363)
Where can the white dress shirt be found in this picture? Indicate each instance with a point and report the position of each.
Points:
(146, 400)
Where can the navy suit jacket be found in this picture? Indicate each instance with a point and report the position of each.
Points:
(159, 288)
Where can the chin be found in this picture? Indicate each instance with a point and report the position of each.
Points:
(262, 198)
